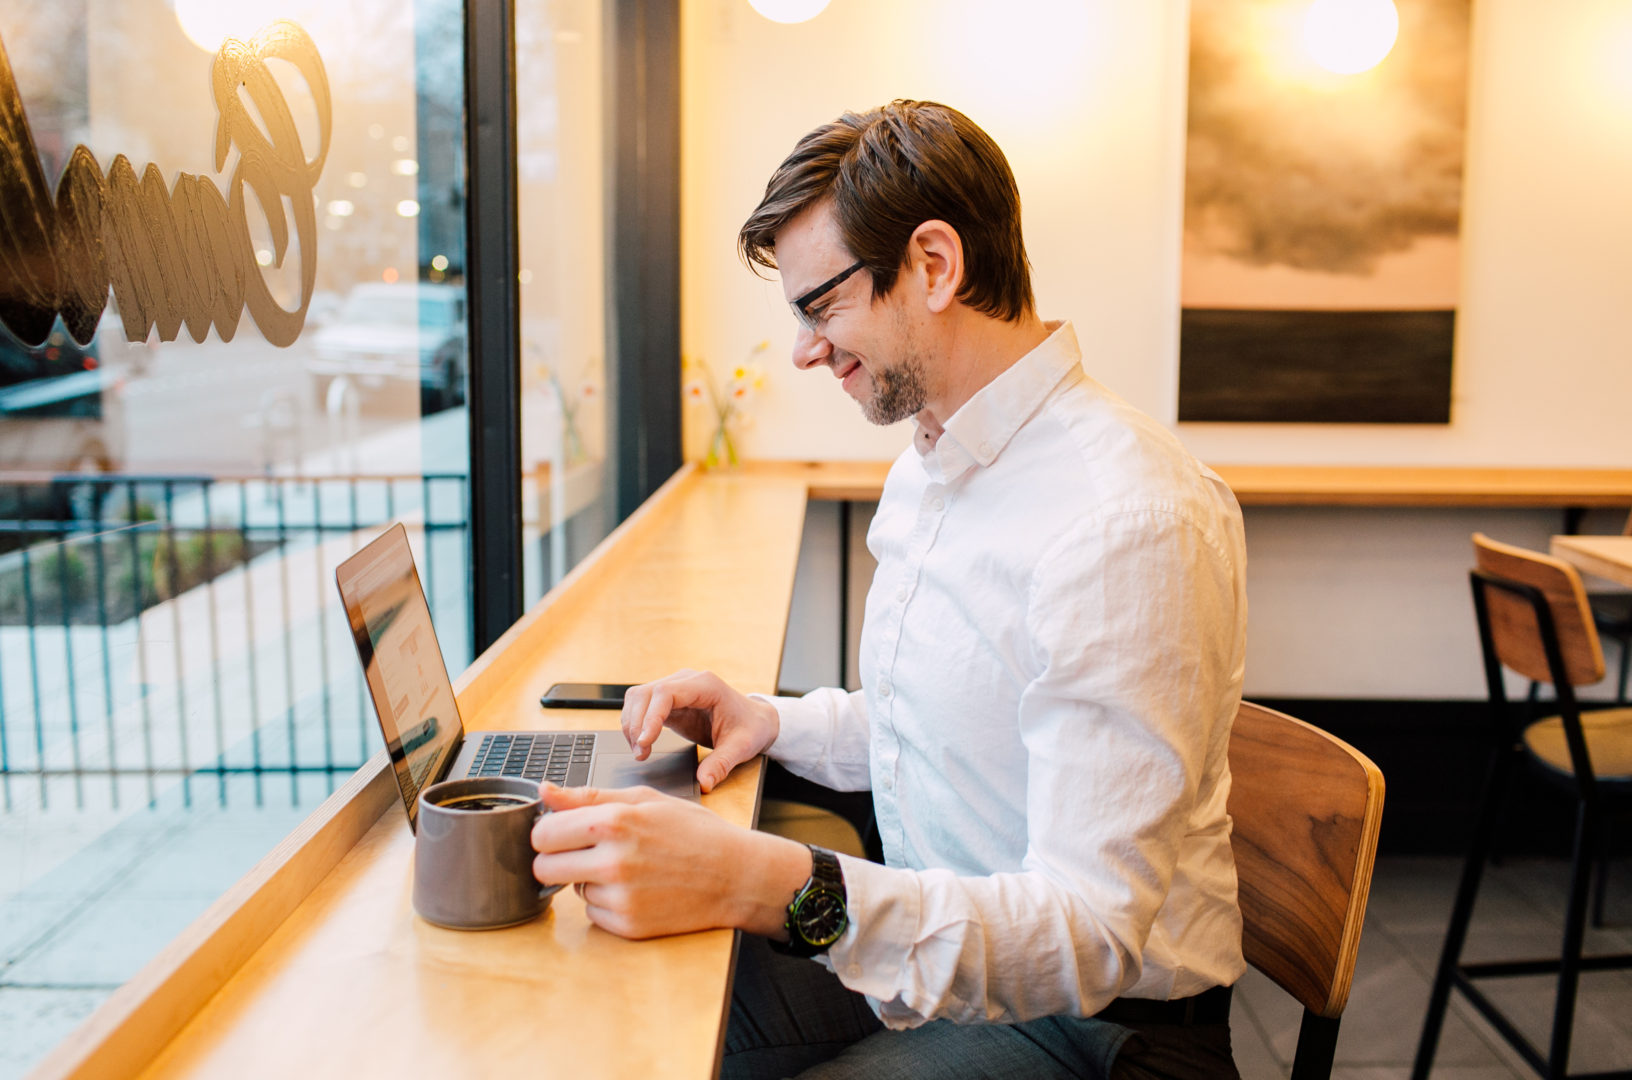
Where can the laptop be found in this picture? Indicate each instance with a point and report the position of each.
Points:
(413, 699)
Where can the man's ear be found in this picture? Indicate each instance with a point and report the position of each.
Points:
(935, 254)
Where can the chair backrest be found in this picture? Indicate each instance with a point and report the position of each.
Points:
(1513, 627)
(1306, 808)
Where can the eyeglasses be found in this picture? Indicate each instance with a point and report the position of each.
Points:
(801, 304)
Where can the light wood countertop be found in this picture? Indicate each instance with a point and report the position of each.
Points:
(1609, 557)
(315, 965)
(1316, 485)
(1426, 486)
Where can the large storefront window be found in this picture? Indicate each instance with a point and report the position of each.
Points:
(233, 350)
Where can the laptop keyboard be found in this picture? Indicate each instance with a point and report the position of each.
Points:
(561, 759)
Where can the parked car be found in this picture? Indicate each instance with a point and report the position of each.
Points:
(395, 334)
(61, 412)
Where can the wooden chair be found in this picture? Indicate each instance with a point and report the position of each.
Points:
(1534, 619)
(1306, 808)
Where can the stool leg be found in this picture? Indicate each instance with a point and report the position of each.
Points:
(1575, 923)
(1601, 880)
(1496, 785)
(1626, 666)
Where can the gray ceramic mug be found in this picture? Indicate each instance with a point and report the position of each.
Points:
(473, 854)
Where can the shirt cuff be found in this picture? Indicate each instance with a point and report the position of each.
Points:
(802, 738)
(871, 955)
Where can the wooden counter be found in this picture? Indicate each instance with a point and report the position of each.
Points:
(1446, 486)
(1325, 485)
(315, 965)
(1608, 557)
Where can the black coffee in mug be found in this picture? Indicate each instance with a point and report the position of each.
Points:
(482, 802)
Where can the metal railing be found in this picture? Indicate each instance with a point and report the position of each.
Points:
(159, 629)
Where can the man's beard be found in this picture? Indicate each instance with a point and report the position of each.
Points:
(898, 392)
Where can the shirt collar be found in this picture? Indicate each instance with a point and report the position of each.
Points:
(979, 431)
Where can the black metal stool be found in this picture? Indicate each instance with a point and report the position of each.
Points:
(1534, 619)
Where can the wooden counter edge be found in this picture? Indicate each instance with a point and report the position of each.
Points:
(133, 1025)
(736, 937)
(1581, 552)
(1314, 485)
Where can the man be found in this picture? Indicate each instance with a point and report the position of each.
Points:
(1052, 657)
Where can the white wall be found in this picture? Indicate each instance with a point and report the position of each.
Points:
(1088, 100)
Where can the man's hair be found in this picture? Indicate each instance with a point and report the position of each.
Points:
(890, 170)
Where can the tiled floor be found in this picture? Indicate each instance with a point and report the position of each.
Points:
(1520, 913)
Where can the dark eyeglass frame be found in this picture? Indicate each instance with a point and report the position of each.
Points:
(801, 304)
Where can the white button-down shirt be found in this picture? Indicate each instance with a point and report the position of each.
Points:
(1051, 661)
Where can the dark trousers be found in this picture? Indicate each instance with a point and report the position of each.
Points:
(792, 1017)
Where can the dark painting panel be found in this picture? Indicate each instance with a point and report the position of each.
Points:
(1344, 367)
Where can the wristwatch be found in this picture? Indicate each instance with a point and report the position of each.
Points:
(817, 916)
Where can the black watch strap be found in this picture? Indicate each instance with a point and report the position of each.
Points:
(817, 916)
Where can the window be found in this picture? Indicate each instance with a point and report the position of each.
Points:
(185, 458)
(278, 371)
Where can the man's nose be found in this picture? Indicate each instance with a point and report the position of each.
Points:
(810, 348)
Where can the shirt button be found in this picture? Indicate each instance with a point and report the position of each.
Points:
(855, 971)
(985, 449)
(901, 595)
(938, 505)
(885, 689)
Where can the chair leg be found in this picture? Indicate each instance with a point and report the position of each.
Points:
(1496, 785)
(1317, 1047)
(1575, 923)
(1515, 788)
(1626, 667)
(1601, 879)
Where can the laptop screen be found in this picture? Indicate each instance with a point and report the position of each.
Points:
(402, 661)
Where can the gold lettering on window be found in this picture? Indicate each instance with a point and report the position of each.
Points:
(172, 255)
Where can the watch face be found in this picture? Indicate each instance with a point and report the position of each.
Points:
(820, 917)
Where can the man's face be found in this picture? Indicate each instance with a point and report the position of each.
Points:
(869, 345)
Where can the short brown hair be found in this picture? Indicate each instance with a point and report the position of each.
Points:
(890, 170)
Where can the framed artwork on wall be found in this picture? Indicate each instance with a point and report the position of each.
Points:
(1323, 189)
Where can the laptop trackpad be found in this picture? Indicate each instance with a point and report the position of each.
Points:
(673, 774)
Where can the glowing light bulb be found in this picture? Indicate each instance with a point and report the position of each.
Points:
(209, 22)
(1350, 36)
(788, 11)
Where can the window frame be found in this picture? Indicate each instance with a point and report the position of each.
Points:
(643, 282)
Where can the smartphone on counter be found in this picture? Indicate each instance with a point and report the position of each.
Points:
(581, 695)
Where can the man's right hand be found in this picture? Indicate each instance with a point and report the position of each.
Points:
(700, 706)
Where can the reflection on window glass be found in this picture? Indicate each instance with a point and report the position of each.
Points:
(233, 349)
(567, 503)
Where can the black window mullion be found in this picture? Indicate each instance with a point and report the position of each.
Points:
(493, 262)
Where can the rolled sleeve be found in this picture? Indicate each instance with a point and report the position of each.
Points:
(823, 737)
